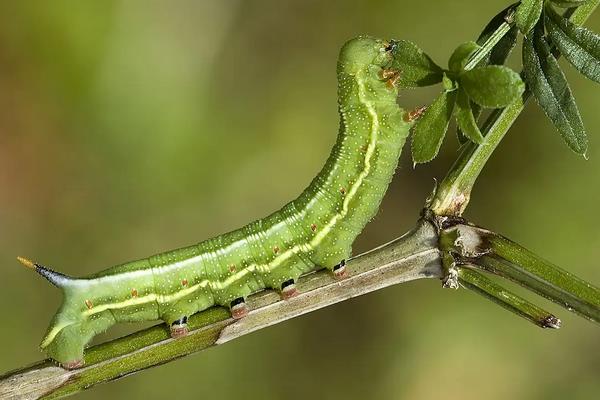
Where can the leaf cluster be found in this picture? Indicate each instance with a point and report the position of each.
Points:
(465, 92)
(553, 35)
(476, 77)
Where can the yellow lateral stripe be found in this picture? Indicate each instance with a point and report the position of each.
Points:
(53, 332)
(369, 153)
(145, 299)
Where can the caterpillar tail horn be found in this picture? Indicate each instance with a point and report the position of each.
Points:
(55, 278)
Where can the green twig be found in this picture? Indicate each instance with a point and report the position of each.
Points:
(566, 290)
(476, 247)
(480, 284)
(545, 278)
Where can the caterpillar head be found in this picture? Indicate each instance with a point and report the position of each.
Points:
(363, 51)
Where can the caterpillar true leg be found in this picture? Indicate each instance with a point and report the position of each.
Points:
(238, 308)
(179, 328)
(288, 289)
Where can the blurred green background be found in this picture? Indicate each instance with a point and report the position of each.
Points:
(133, 127)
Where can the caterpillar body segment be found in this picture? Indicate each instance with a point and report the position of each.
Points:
(314, 231)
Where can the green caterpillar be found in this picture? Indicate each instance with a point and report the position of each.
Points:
(312, 232)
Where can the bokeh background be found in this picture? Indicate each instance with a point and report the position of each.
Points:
(133, 127)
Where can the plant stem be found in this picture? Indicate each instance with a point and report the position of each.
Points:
(453, 194)
(413, 256)
(476, 247)
(543, 277)
(482, 285)
(560, 294)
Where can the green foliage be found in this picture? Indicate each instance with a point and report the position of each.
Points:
(528, 14)
(580, 46)
(430, 129)
(492, 86)
(465, 119)
(504, 47)
(551, 90)
(461, 55)
(417, 68)
(497, 56)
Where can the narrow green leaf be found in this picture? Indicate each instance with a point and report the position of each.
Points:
(465, 119)
(503, 16)
(416, 68)
(568, 3)
(551, 90)
(498, 55)
(461, 55)
(580, 46)
(528, 14)
(430, 129)
(492, 86)
(503, 48)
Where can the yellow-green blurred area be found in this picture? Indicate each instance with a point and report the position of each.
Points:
(129, 128)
